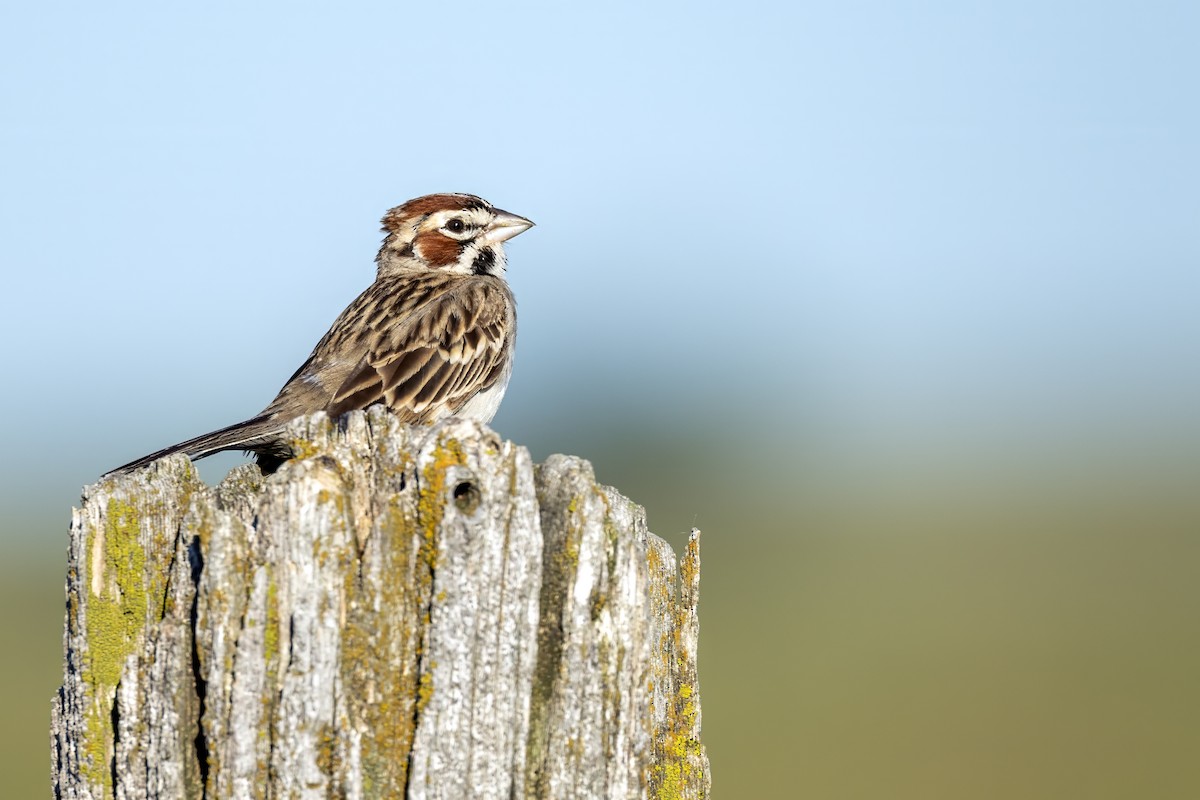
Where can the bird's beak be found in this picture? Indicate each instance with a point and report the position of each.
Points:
(505, 226)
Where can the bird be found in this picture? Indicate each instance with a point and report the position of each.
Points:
(431, 337)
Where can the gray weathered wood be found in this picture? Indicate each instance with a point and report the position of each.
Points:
(398, 612)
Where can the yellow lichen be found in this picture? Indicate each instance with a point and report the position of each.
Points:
(384, 693)
(116, 613)
(302, 449)
(425, 687)
(430, 502)
(271, 634)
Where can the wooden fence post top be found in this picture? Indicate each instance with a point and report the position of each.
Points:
(397, 612)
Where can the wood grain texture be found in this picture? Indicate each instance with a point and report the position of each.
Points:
(398, 612)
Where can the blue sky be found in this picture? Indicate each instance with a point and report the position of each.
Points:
(890, 222)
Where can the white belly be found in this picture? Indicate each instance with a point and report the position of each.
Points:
(484, 405)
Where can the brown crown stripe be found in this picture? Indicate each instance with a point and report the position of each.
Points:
(424, 206)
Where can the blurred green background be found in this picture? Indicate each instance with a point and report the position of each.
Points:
(897, 304)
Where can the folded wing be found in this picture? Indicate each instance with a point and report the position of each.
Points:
(443, 354)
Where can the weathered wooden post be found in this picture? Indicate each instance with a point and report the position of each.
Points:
(398, 612)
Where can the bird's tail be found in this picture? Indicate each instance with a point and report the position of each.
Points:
(247, 435)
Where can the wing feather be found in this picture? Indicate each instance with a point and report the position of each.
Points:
(438, 357)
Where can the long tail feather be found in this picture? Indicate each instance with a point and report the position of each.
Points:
(242, 435)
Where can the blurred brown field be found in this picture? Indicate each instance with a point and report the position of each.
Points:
(1016, 631)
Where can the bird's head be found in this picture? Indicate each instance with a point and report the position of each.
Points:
(453, 232)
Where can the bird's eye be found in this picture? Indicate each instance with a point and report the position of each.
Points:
(456, 226)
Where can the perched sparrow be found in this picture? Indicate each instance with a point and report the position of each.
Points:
(430, 338)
